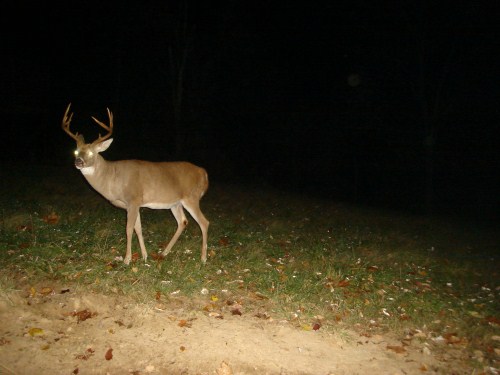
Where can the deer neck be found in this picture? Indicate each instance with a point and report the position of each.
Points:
(97, 173)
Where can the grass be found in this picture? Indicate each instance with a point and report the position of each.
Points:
(276, 255)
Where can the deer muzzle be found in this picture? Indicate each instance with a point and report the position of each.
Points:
(79, 163)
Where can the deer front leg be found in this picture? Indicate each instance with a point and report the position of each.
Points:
(132, 214)
(180, 217)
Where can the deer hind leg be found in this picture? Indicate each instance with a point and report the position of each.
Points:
(132, 216)
(193, 207)
(138, 231)
(179, 215)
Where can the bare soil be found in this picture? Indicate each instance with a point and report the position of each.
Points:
(74, 331)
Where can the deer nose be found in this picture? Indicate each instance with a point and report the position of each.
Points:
(79, 163)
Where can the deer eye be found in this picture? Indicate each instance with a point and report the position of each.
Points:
(76, 152)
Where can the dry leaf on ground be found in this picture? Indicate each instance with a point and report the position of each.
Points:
(109, 354)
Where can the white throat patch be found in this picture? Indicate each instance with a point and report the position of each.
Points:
(88, 171)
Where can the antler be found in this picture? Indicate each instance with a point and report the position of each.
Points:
(109, 128)
(65, 125)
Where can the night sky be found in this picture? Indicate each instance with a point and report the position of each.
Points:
(391, 104)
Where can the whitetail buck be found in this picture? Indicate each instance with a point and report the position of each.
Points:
(132, 184)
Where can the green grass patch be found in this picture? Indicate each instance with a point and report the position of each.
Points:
(278, 255)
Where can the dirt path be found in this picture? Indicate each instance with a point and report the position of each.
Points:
(70, 331)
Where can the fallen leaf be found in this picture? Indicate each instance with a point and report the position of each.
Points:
(448, 335)
(157, 256)
(216, 315)
(236, 311)
(263, 315)
(406, 341)
(259, 295)
(88, 353)
(492, 320)
(209, 307)
(425, 287)
(343, 283)
(214, 298)
(224, 241)
(135, 257)
(51, 218)
(184, 323)
(224, 369)
(280, 268)
(452, 338)
(45, 291)
(109, 354)
(182, 348)
(83, 315)
(404, 316)
(475, 314)
(307, 327)
(316, 326)
(397, 349)
(36, 332)
(158, 295)
(479, 355)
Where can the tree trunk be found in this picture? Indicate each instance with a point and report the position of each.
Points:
(429, 193)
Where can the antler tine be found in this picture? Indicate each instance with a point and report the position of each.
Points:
(66, 122)
(109, 128)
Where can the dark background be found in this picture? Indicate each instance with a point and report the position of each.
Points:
(391, 104)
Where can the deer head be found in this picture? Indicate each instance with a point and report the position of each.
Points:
(86, 154)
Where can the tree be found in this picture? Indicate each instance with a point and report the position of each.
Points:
(433, 53)
(178, 54)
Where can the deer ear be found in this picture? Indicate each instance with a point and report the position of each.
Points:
(103, 146)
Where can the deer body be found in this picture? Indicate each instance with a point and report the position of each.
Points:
(132, 184)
